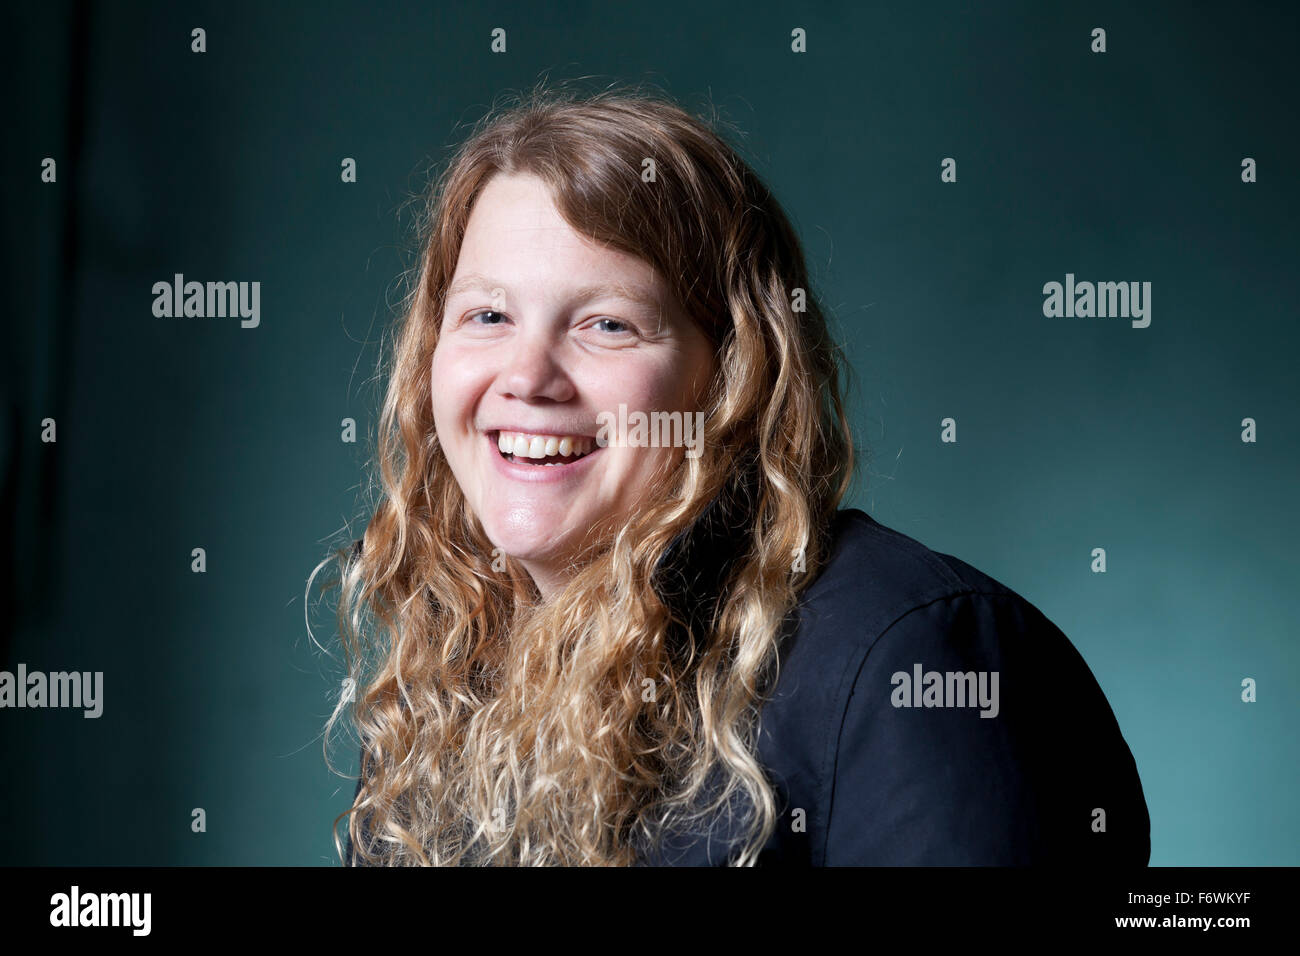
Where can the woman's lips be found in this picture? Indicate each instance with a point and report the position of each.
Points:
(566, 471)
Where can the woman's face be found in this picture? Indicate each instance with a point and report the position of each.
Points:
(543, 331)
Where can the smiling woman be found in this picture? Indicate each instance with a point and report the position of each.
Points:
(573, 651)
(543, 369)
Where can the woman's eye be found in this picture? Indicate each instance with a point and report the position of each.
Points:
(490, 318)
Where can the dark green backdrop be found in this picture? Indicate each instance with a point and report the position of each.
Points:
(1074, 433)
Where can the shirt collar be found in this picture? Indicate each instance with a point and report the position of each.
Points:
(690, 574)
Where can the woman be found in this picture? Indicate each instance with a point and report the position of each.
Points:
(614, 613)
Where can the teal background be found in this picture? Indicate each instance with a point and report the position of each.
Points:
(1073, 433)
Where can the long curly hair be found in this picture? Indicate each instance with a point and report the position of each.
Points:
(498, 728)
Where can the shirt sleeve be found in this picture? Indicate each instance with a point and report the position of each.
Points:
(974, 735)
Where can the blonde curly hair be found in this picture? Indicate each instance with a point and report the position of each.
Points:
(501, 729)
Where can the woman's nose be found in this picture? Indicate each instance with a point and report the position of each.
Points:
(535, 369)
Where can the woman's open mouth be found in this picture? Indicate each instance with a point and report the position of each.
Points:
(542, 451)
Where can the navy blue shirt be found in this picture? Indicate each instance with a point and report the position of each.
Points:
(925, 714)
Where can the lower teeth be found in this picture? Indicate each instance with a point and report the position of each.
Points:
(543, 464)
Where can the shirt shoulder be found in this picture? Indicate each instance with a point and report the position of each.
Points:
(885, 573)
(924, 712)
(874, 576)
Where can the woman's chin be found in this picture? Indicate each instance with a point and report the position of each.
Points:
(534, 545)
(545, 541)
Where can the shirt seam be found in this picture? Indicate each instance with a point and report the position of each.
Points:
(848, 680)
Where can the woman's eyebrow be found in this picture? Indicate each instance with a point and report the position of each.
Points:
(584, 293)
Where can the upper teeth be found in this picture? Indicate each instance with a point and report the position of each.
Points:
(540, 446)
